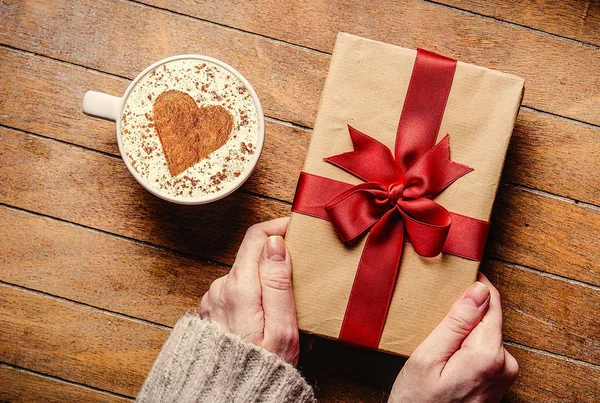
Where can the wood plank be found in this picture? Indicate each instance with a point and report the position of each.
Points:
(546, 152)
(136, 280)
(545, 233)
(556, 156)
(575, 19)
(101, 35)
(85, 345)
(101, 349)
(76, 343)
(88, 346)
(100, 270)
(542, 377)
(96, 190)
(45, 97)
(545, 378)
(548, 313)
(27, 80)
(21, 386)
(559, 74)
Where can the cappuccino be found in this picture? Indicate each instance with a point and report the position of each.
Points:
(189, 128)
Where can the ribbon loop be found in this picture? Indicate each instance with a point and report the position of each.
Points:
(356, 210)
(427, 224)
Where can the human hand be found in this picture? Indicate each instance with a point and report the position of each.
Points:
(255, 300)
(463, 359)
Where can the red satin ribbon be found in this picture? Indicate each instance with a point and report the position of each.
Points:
(395, 198)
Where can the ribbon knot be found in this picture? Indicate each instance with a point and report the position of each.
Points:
(395, 193)
(388, 195)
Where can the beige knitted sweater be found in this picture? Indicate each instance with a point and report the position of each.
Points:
(201, 363)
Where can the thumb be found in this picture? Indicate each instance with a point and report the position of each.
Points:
(464, 315)
(275, 268)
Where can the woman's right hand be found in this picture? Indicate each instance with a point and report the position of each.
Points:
(463, 359)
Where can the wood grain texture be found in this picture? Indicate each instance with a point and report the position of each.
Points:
(90, 346)
(108, 37)
(545, 378)
(85, 345)
(81, 186)
(45, 96)
(575, 19)
(556, 156)
(25, 80)
(558, 74)
(76, 343)
(20, 387)
(545, 153)
(548, 313)
(97, 191)
(57, 258)
(541, 232)
(100, 270)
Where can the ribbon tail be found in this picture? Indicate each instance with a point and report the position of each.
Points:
(374, 283)
(370, 161)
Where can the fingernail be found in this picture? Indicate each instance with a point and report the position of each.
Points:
(275, 248)
(478, 294)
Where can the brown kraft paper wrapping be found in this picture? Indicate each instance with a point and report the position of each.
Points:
(365, 88)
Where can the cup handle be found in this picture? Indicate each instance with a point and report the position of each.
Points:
(102, 105)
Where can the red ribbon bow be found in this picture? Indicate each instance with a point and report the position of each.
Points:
(395, 197)
(389, 194)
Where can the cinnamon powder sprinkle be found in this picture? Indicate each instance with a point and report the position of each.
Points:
(208, 85)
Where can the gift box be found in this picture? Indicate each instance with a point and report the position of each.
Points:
(392, 209)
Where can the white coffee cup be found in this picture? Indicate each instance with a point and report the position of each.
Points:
(110, 107)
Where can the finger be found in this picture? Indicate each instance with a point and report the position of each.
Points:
(511, 366)
(488, 334)
(462, 318)
(281, 327)
(249, 251)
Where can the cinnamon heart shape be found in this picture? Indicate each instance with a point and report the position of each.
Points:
(188, 133)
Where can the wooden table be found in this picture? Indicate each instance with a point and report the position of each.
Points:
(95, 270)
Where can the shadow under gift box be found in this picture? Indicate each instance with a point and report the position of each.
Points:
(366, 88)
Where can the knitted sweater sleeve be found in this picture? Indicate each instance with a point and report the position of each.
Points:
(201, 363)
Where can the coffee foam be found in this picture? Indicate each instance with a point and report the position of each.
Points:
(208, 84)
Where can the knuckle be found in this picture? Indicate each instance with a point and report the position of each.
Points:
(231, 293)
(290, 336)
(493, 362)
(235, 295)
(277, 278)
(512, 366)
(254, 230)
(214, 288)
(286, 336)
(418, 363)
(457, 323)
(205, 307)
(278, 283)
